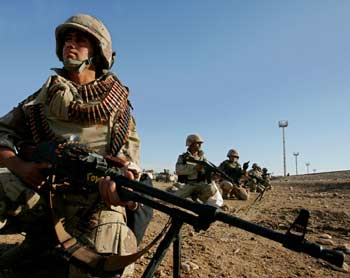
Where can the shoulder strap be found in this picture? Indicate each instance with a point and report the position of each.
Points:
(89, 258)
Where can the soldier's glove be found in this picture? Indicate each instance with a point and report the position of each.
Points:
(246, 165)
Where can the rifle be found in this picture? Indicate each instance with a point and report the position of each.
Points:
(69, 158)
(211, 168)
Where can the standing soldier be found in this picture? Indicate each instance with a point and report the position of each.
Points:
(82, 100)
(233, 169)
(193, 175)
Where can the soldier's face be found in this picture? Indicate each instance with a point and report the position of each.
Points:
(195, 147)
(233, 158)
(77, 46)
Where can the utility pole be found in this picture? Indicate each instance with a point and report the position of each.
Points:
(283, 124)
(296, 162)
(307, 167)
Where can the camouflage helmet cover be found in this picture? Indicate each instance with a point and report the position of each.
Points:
(94, 27)
(255, 166)
(193, 138)
(232, 152)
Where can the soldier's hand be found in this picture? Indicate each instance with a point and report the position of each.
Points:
(32, 173)
(109, 194)
(108, 191)
(216, 176)
(246, 165)
(29, 172)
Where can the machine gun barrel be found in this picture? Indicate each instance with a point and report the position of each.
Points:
(202, 216)
(289, 240)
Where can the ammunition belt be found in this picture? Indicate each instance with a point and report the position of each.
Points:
(120, 132)
(110, 98)
(39, 125)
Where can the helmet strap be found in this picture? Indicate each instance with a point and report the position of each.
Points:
(77, 65)
(113, 59)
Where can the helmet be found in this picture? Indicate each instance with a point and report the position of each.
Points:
(232, 152)
(264, 170)
(93, 26)
(255, 166)
(193, 138)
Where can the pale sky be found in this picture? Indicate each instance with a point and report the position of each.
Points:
(228, 70)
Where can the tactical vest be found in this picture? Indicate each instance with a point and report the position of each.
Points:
(201, 176)
(233, 170)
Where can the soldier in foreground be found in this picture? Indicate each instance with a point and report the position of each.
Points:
(82, 100)
(193, 177)
(234, 170)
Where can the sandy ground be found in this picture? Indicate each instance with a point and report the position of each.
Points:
(225, 251)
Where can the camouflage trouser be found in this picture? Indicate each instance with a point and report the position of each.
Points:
(226, 188)
(229, 190)
(99, 227)
(255, 186)
(252, 185)
(201, 190)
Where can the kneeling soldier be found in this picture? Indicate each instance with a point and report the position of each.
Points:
(193, 175)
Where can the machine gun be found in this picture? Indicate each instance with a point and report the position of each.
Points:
(84, 168)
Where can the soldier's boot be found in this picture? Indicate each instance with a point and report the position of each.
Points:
(240, 193)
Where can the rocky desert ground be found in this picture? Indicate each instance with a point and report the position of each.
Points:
(225, 251)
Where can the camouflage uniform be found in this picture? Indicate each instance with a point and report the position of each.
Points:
(48, 114)
(195, 183)
(235, 171)
(255, 178)
(266, 178)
